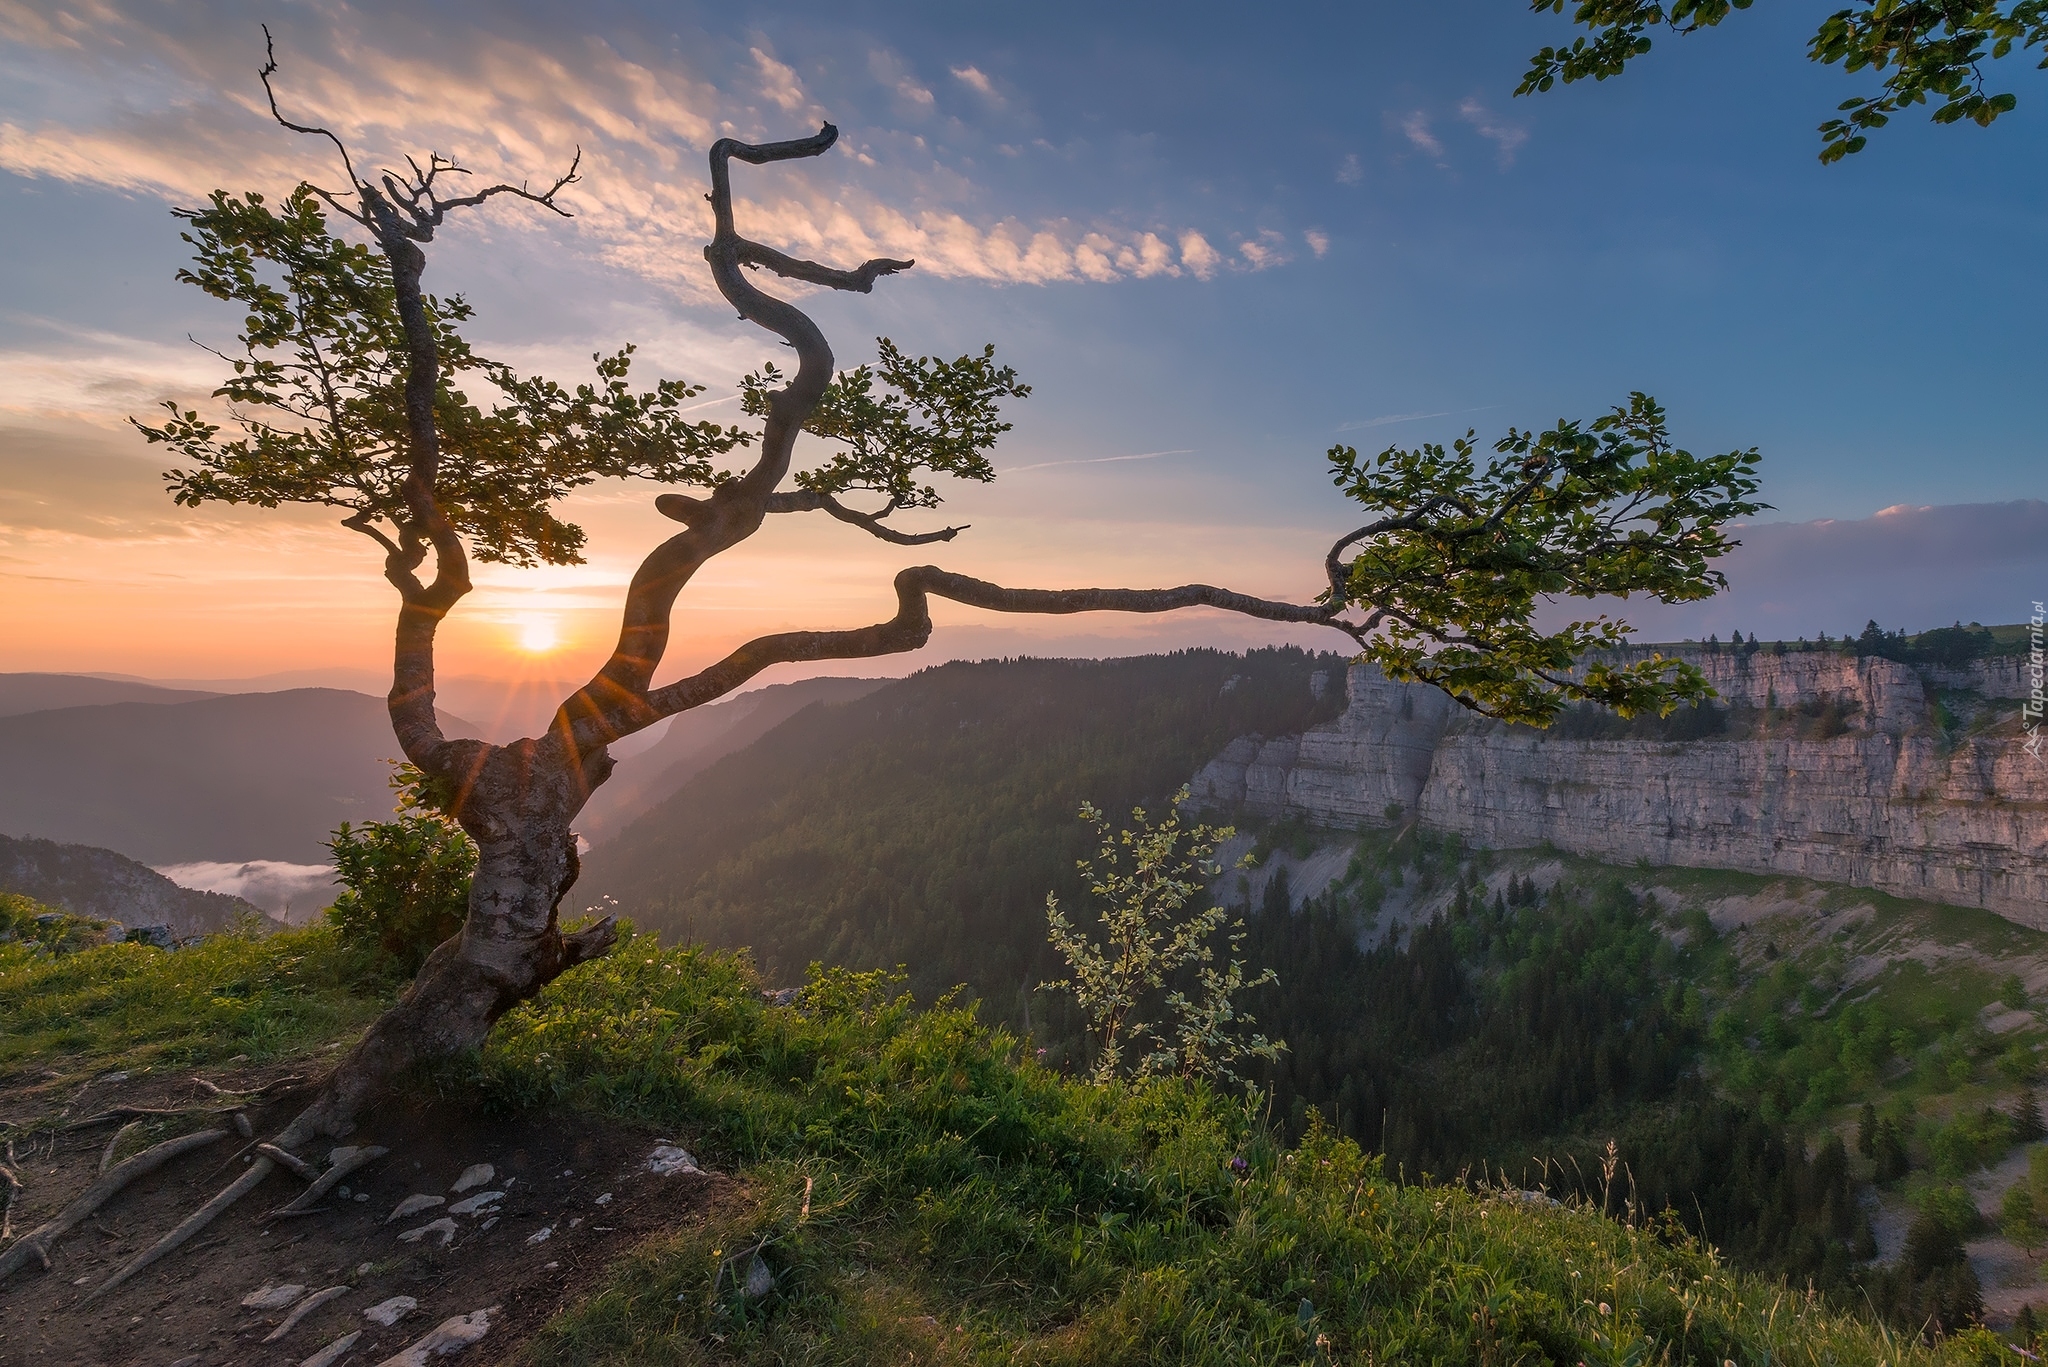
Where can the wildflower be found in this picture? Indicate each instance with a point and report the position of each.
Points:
(1239, 1166)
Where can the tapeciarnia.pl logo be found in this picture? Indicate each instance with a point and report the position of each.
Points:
(2037, 671)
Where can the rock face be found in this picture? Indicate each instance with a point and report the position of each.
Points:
(1900, 802)
(87, 881)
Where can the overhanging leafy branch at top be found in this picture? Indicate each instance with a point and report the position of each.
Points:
(1926, 50)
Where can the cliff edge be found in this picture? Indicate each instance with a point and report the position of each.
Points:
(1911, 780)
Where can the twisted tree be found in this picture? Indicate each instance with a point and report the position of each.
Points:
(348, 393)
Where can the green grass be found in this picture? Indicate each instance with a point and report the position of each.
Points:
(969, 1205)
(264, 996)
(923, 1189)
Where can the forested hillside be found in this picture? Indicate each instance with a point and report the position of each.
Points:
(696, 740)
(1441, 1005)
(924, 824)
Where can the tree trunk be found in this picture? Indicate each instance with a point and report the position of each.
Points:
(517, 809)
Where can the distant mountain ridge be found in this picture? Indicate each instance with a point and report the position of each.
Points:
(88, 881)
(248, 776)
(20, 693)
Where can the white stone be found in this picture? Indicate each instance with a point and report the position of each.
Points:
(475, 1175)
(605, 1199)
(473, 1204)
(541, 1235)
(760, 1281)
(668, 1161)
(388, 1313)
(273, 1297)
(445, 1339)
(444, 1231)
(413, 1205)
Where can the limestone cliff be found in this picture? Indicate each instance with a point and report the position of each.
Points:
(1925, 792)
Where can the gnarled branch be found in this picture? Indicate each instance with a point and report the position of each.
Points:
(911, 627)
(615, 702)
(812, 500)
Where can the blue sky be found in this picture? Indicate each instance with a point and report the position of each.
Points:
(1228, 234)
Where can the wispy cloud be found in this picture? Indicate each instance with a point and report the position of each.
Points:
(1096, 460)
(891, 71)
(1198, 256)
(1415, 127)
(99, 377)
(1389, 420)
(1506, 137)
(1267, 250)
(1318, 240)
(779, 82)
(517, 109)
(1349, 172)
(974, 80)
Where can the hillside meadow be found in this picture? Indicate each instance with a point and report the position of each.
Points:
(920, 1187)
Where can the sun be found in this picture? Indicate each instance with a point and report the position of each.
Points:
(537, 635)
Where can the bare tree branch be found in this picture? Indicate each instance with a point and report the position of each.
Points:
(269, 70)
(860, 280)
(911, 627)
(811, 500)
(615, 702)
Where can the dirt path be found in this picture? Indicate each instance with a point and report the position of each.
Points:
(587, 1186)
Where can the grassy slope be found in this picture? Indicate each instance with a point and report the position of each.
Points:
(264, 996)
(964, 1203)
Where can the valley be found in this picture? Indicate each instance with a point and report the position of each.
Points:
(1824, 1081)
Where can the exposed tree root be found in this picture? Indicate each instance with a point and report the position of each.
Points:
(107, 1154)
(215, 1089)
(36, 1244)
(305, 1308)
(346, 1161)
(107, 1117)
(306, 1171)
(193, 1223)
(333, 1352)
(7, 1210)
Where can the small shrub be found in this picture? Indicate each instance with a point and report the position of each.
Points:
(1154, 953)
(2012, 993)
(2018, 1220)
(405, 882)
(49, 930)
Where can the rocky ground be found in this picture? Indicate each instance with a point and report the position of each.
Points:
(503, 1223)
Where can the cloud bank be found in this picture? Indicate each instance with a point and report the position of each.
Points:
(1904, 567)
(164, 101)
